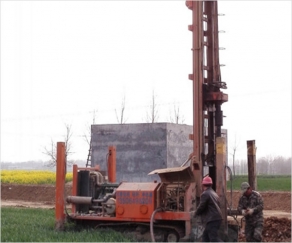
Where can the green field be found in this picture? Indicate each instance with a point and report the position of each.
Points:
(264, 182)
(38, 225)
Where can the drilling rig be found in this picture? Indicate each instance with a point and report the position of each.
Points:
(163, 209)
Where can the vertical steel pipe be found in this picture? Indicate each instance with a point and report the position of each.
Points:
(60, 186)
(74, 185)
(221, 177)
(197, 78)
(112, 164)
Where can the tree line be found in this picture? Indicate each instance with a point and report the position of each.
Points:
(269, 165)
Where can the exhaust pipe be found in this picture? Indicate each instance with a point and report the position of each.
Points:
(88, 200)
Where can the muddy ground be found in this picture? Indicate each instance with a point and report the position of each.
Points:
(277, 206)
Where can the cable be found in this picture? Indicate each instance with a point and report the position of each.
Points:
(68, 215)
(230, 206)
(231, 178)
(151, 223)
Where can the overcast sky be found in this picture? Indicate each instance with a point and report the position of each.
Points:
(61, 60)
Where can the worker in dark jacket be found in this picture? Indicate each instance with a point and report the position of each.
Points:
(210, 207)
(251, 206)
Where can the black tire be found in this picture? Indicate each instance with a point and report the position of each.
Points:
(172, 236)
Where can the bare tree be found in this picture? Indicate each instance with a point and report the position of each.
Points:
(175, 116)
(121, 116)
(262, 166)
(152, 114)
(287, 166)
(87, 134)
(51, 151)
(270, 159)
(68, 142)
(234, 148)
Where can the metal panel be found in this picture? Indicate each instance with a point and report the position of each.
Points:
(136, 200)
(173, 175)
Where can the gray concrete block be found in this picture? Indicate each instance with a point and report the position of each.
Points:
(141, 148)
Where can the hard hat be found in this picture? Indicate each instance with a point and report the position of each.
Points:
(244, 187)
(207, 181)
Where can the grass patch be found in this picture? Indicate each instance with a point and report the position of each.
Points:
(38, 225)
(264, 182)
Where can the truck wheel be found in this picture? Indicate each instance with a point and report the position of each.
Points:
(172, 236)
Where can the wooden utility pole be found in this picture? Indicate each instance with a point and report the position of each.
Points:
(251, 164)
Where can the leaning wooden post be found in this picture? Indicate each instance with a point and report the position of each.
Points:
(60, 186)
(251, 164)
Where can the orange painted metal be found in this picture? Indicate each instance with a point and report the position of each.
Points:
(185, 216)
(111, 163)
(178, 175)
(74, 185)
(197, 77)
(136, 200)
(60, 184)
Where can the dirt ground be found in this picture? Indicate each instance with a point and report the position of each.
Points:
(277, 206)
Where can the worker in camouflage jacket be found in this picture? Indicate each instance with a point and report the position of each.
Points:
(251, 207)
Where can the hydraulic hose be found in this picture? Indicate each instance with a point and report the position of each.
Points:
(151, 223)
(230, 206)
(89, 200)
(105, 198)
(66, 211)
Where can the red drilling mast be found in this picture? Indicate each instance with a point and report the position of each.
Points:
(208, 149)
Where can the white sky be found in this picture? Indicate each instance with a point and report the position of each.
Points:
(60, 60)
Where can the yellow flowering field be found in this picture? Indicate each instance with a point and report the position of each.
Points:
(31, 177)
